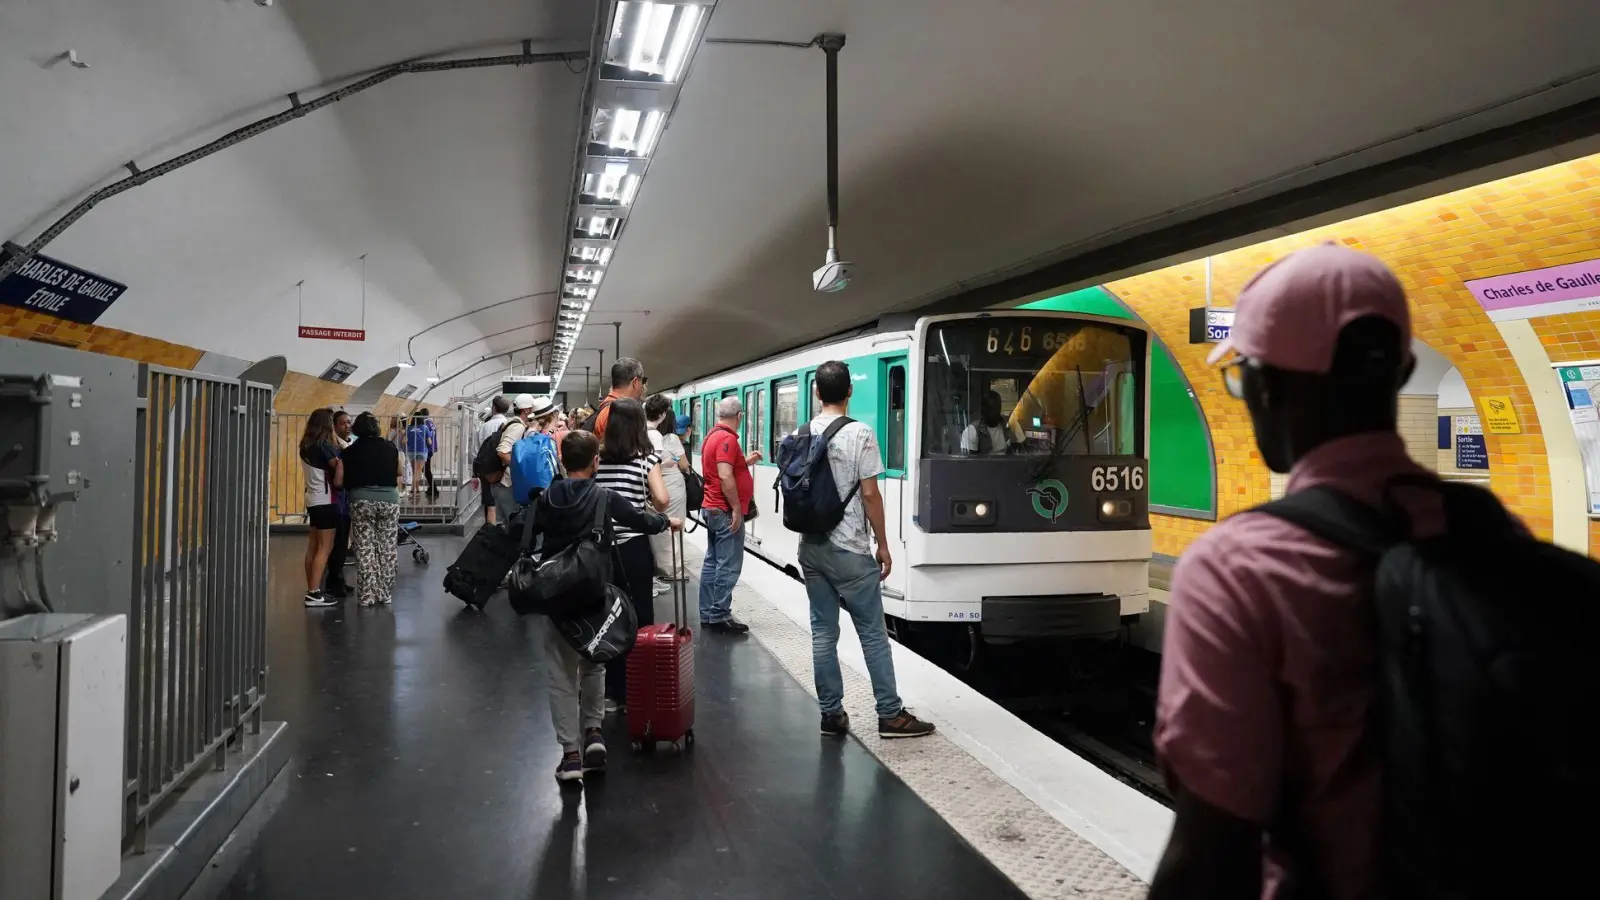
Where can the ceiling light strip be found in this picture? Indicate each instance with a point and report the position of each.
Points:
(647, 49)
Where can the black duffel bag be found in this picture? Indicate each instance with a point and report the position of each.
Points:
(605, 635)
(569, 583)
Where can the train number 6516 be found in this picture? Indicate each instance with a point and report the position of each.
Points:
(1117, 478)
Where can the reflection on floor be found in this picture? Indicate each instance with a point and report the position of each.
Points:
(424, 760)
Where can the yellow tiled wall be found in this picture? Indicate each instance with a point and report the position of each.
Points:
(34, 326)
(1419, 426)
(1543, 218)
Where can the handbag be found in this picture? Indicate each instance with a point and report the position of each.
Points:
(606, 634)
(569, 583)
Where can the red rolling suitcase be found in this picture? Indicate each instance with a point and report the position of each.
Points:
(661, 673)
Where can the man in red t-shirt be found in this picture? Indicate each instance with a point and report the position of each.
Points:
(729, 492)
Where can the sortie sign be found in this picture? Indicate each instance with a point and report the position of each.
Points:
(52, 287)
(323, 333)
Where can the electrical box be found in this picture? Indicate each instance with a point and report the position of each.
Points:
(43, 457)
(62, 710)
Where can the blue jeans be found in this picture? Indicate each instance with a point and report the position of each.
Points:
(834, 574)
(720, 572)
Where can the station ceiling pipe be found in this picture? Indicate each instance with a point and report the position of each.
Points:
(297, 108)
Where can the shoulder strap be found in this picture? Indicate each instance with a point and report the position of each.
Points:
(1338, 518)
(531, 514)
(837, 426)
(602, 511)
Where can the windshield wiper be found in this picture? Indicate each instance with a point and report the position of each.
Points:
(1059, 449)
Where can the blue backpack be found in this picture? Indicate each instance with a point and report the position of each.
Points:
(533, 466)
(811, 501)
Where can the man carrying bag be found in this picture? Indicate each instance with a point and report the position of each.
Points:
(590, 622)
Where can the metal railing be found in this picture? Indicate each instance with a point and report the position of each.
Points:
(448, 498)
(197, 626)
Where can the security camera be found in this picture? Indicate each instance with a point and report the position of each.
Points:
(831, 277)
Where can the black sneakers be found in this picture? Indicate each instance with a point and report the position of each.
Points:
(835, 724)
(571, 768)
(594, 751)
(904, 725)
(318, 600)
(729, 625)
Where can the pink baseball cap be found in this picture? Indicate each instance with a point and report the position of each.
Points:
(1290, 314)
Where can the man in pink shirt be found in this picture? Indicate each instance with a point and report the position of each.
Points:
(1268, 674)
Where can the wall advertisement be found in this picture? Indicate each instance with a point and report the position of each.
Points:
(1581, 384)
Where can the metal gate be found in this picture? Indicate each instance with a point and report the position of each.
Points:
(197, 627)
(447, 499)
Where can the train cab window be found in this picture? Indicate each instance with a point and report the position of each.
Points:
(694, 419)
(1033, 386)
(813, 402)
(894, 443)
(785, 412)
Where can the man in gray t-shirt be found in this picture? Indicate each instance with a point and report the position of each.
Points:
(841, 568)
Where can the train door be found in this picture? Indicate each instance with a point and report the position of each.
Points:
(750, 440)
(892, 413)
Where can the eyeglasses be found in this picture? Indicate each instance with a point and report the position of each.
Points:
(1233, 375)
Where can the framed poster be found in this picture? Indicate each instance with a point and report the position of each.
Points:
(1580, 382)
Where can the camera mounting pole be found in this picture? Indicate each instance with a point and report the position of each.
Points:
(834, 275)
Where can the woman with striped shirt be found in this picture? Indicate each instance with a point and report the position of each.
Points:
(630, 469)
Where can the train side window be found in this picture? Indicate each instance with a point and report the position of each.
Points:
(894, 445)
(785, 412)
(759, 442)
(751, 423)
(813, 402)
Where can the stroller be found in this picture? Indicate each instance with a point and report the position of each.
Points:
(405, 538)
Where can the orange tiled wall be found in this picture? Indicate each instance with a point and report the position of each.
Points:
(1543, 218)
(33, 326)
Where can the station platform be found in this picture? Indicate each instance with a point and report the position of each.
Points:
(423, 759)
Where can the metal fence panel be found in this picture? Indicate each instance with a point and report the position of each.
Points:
(197, 624)
(448, 497)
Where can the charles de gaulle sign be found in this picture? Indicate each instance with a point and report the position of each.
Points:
(55, 288)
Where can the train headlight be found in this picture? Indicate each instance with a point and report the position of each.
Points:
(1115, 509)
(972, 512)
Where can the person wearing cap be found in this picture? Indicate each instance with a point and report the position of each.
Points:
(505, 503)
(1269, 668)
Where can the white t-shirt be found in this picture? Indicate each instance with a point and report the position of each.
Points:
(853, 456)
(508, 439)
(489, 427)
(998, 438)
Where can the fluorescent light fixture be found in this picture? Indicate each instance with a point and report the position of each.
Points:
(625, 132)
(630, 187)
(433, 379)
(602, 228)
(585, 276)
(651, 41)
(609, 185)
(406, 364)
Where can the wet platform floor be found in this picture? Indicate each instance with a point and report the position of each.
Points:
(424, 758)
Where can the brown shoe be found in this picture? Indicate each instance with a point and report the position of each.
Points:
(904, 725)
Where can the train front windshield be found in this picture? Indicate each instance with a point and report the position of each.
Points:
(1033, 386)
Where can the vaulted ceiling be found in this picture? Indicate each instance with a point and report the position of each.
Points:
(976, 139)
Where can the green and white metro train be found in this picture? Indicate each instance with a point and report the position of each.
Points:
(1042, 530)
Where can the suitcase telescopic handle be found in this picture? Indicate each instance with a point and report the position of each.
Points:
(680, 586)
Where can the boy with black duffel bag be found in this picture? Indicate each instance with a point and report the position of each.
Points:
(569, 584)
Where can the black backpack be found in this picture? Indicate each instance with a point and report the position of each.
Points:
(568, 583)
(487, 464)
(590, 423)
(1485, 695)
(811, 502)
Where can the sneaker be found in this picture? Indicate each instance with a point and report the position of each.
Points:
(903, 725)
(729, 625)
(571, 768)
(657, 588)
(835, 724)
(613, 706)
(317, 600)
(594, 751)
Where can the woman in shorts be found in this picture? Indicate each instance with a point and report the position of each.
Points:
(319, 459)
